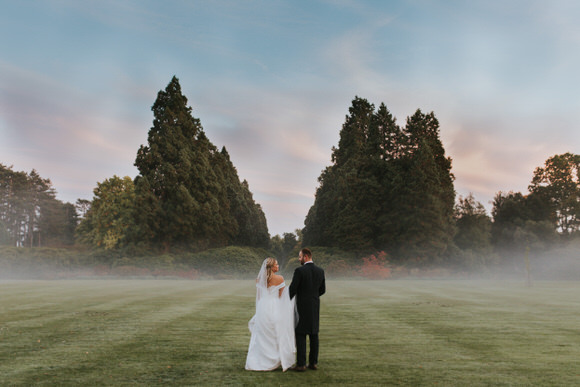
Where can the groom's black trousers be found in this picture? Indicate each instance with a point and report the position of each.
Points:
(301, 349)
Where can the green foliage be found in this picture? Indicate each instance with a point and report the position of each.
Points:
(558, 182)
(473, 225)
(286, 247)
(388, 188)
(227, 262)
(474, 250)
(30, 214)
(334, 261)
(545, 218)
(41, 262)
(248, 217)
(109, 220)
(425, 194)
(188, 194)
(518, 228)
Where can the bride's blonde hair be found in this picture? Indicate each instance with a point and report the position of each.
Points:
(270, 263)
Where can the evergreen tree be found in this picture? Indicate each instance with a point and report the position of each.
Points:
(188, 193)
(427, 194)
(30, 214)
(354, 133)
(387, 169)
(323, 213)
(340, 214)
(177, 188)
(387, 189)
(250, 221)
(390, 140)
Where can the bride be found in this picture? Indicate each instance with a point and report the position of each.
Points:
(272, 327)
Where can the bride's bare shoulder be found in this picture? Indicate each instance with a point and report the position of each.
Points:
(276, 280)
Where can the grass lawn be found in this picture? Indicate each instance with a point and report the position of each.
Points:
(411, 333)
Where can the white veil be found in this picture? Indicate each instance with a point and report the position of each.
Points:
(262, 281)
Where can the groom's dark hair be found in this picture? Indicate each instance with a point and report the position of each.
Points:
(307, 253)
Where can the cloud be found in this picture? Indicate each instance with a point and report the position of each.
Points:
(273, 82)
(500, 152)
(55, 129)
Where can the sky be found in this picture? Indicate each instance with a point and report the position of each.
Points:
(272, 81)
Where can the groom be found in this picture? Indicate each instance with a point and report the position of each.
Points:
(308, 284)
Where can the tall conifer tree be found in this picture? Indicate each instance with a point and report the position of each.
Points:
(387, 188)
(428, 196)
(188, 193)
(180, 198)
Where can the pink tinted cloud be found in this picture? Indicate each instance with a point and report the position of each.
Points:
(489, 158)
(57, 130)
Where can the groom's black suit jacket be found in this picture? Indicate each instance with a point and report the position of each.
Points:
(308, 284)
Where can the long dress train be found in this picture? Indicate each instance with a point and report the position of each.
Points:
(272, 343)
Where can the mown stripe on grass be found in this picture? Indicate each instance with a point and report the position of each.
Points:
(451, 333)
(121, 321)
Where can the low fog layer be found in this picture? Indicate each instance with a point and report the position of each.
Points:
(557, 264)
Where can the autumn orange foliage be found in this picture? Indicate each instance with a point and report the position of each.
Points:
(375, 267)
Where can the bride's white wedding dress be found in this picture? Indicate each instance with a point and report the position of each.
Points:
(272, 343)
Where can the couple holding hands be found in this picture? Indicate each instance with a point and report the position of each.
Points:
(285, 316)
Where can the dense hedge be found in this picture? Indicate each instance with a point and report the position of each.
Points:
(18, 262)
(227, 262)
(244, 262)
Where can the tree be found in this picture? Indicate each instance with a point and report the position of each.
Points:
(473, 225)
(30, 214)
(390, 140)
(519, 226)
(46, 214)
(14, 205)
(176, 184)
(250, 221)
(323, 213)
(58, 222)
(343, 209)
(354, 133)
(82, 207)
(188, 193)
(509, 213)
(423, 192)
(110, 219)
(283, 246)
(387, 188)
(559, 182)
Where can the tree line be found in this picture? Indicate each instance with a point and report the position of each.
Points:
(389, 188)
(30, 214)
(187, 195)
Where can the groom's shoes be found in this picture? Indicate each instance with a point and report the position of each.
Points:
(313, 367)
(298, 368)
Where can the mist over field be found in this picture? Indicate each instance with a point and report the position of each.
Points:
(238, 263)
(385, 208)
